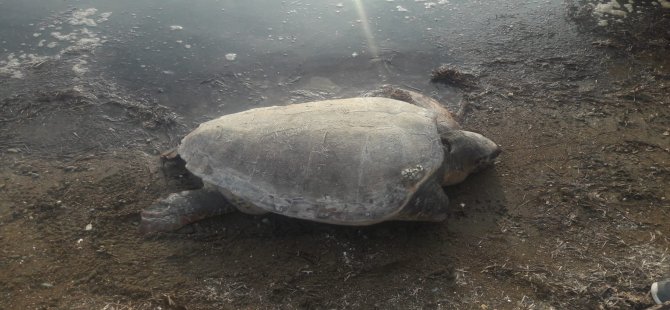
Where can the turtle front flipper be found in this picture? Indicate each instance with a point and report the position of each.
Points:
(183, 208)
(428, 204)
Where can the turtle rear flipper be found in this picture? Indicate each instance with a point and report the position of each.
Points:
(170, 154)
(183, 208)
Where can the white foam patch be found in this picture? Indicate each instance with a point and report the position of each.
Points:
(83, 17)
(64, 37)
(629, 7)
(76, 45)
(176, 27)
(80, 67)
(611, 8)
(83, 45)
(13, 65)
(103, 17)
(85, 31)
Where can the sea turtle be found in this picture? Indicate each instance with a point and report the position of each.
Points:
(355, 161)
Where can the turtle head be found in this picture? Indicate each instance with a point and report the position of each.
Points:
(466, 152)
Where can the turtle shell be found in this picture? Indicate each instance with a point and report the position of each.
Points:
(352, 161)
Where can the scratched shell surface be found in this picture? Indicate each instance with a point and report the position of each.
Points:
(353, 161)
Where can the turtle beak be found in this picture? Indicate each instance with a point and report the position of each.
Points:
(484, 162)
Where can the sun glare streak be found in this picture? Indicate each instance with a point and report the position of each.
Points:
(372, 46)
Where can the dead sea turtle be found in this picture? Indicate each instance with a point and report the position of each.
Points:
(356, 161)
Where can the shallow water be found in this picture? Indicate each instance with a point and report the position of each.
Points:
(264, 49)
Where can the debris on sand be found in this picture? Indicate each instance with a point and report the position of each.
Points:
(448, 74)
(607, 43)
(388, 91)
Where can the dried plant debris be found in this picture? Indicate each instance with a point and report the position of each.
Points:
(387, 91)
(449, 74)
